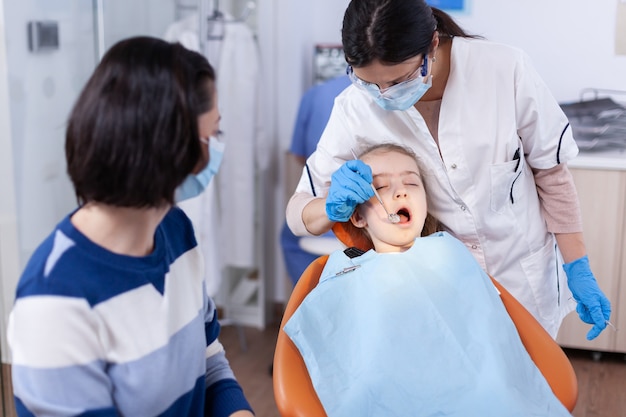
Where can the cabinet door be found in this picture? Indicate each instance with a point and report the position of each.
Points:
(602, 195)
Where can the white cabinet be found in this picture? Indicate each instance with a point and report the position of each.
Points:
(602, 195)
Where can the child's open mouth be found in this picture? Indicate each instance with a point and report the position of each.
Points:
(405, 215)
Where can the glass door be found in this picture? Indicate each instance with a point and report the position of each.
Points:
(50, 54)
(52, 49)
(119, 19)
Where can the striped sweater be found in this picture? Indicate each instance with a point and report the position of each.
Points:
(93, 333)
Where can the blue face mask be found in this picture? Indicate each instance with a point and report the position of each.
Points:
(403, 98)
(400, 96)
(195, 184)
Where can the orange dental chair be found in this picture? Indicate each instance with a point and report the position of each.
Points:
(293, 390)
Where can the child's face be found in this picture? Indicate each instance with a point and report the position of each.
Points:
(398, 181)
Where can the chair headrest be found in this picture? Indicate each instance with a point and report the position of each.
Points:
(352, 236)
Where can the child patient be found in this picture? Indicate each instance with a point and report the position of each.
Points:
(413, 327)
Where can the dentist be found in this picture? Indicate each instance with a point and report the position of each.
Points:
(492, 143)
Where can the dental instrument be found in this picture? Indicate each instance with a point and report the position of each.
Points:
(393, 217)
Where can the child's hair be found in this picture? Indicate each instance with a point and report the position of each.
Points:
(431, 224)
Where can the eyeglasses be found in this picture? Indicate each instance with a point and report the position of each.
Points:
(415, 77)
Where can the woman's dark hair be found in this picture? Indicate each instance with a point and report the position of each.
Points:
(392, 31)
(132, 136)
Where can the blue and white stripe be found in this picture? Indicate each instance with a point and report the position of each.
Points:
(93, 331)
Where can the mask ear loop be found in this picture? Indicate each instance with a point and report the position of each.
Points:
(425, 66)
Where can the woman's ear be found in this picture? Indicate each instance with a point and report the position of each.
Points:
(434, 44)
(357, 219)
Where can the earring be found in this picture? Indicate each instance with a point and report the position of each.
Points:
(434, 59)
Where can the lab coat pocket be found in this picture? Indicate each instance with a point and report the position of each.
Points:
(540, 270)
(503, 179)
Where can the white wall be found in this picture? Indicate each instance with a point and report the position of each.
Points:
(299, 27)
(571, 42)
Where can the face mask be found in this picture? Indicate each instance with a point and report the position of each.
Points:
(400, 96)
(406, 96)
(195, 184)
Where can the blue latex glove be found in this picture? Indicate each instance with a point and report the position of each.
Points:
(593, 307)
(350, 186)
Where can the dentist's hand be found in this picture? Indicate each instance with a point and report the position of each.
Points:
(593, 306)
(349, 187)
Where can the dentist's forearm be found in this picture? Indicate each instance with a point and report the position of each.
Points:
(306, 215)
(571, 245)
(315, 218)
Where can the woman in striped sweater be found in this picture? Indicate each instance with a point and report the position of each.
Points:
(111, 317)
